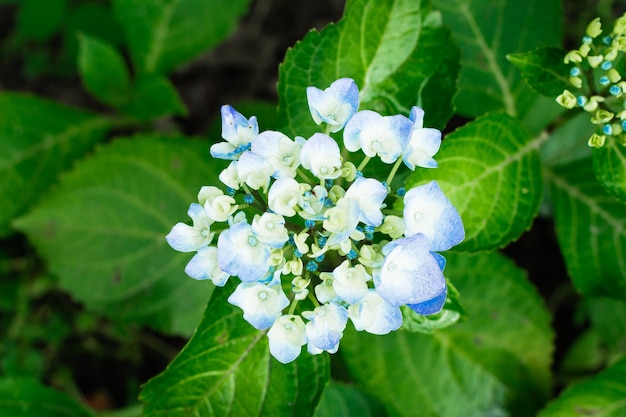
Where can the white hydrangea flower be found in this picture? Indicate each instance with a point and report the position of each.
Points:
(254, 170)
(204, 265)
(312, 202)
(283, 197)
(369, 194)
(270, 229)
(374, 315)
(341, 220)
(230, 176)
(286, 338)
(334, 105)
(320, 155)
(218, 207)
(325, 291)
(350, 283)
(325, 328)
(385, 136)
(185, 238)
(281, 152)
(241, 253)
(424, 143)
(238, 132)
(261, 304)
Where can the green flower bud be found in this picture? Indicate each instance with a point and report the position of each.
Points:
(584, 50)
(601, 117)
(594, 28)
(576, 81)
(595, 60)
(621, 139)
(619, 43)
(610, 54)
(596, 141)
(566, 99)
(613, 75)
(573, 56)
(620, 26)
(592, 104)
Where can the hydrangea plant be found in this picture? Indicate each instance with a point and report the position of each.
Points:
(298, 217)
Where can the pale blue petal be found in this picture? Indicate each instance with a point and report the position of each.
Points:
(236, 256)
(374, 315)
(410, 274)
(204, 265)
(224, 150)
(232, 120)
(355, 126)
(261, 314)
(185, 238)
(440, 260)
(447, 224)
(417, 117)
(325, 330)
(335, 105)
(432, 306)
(370, 194)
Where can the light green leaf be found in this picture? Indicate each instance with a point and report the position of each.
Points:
(604, 395)
(38, 139)
(591, 230)
(341, 400)
(226, 370)
(102, 231)
(543, 69)
(103, 71)
(490, 171)
(154, 96)
(495, 363)
(486, 33)
(568, 142)
(26, 398)
(451, 313)
(609, 165)
(396, 51)
(162, 34)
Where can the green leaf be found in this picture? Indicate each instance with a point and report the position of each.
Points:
(162, 34)
(154, 96)
(590, 230)
(486, 33)
(38, 139)
(103, 71)
(543, 69)
(609, 165)
(604, 395)
(40, 19)
(26, 398)
(451, 313)
(226, 370)
(495, 363)
(395, 50)
(341, 400)
(490, 171)
(568, 142)
(102, 231)
(608, 319)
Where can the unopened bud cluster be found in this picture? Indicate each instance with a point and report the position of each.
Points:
(311, 240)
(599, 87)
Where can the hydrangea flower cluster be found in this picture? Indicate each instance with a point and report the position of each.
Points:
(599, 88)
(298, 218)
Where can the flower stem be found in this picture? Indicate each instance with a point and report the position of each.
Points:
(393, 171)
(363, 163)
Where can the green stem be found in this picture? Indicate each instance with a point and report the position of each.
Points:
(363, 163)
(393, 171)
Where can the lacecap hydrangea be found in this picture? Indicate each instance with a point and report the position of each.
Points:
(311, 241)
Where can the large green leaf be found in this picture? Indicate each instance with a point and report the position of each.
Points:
(340, 400)
(495, 363)
(609, 165)
(103, 71)
(486, 33)
(38, 139)
(397, 52)
(604, 395)
(490, 171)
(163, 34)
(543, 69)
(26, 398)
(102, 231)
(226, 370)
(590, 229)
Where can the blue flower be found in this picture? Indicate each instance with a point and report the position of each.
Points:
(261, 304)
(241, 253)
(385, 136)
(432, 306)
(335, 105)
(410, 274)
(325, 328)
(281, 152)
(185, 238)
(429, 212)
(238, 133)
(424, 143)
